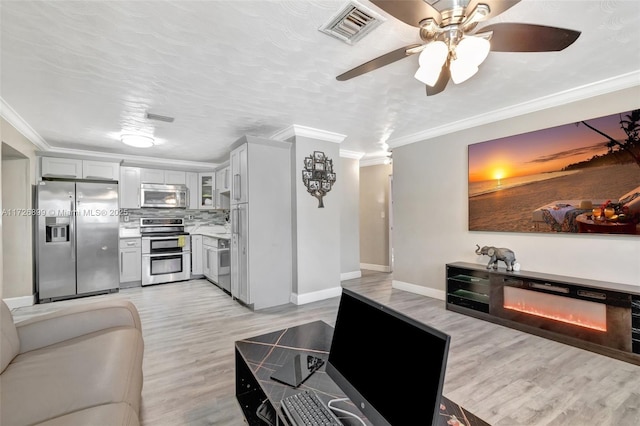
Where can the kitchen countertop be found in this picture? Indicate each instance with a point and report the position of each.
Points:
(129, 232)
(215, 231)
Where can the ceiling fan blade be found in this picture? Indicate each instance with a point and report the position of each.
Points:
(411, 12)
(443, 80)
(496, 7)
(509, 37)
(378, 62)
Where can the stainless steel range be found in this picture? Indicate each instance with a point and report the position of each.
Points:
(166, 250)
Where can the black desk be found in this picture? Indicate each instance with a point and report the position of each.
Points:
(258, 357)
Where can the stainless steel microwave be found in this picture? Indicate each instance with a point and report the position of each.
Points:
(164, 196)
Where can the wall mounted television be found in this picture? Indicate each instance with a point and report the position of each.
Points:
(551, 180)
(391, 366)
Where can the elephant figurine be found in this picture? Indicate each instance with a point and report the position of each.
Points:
(504, 254)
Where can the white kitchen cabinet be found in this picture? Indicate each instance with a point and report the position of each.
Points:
(196, 255)
(206, 190)
(130, 260)
(169, 177)
(61, 167)
(192, 188)
(100, 170)
(172, 177)
(70, 168)
(129, 188)
(240, 174)
(223, 179)
(261, 250)
(151, 176)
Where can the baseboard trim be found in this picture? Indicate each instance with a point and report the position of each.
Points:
(378, 268)
(418, 289)
(19, 302)
(350, 275)
(315, 296)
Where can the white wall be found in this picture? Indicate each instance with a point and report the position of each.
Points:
(317, 229)
(374, 217)
(349, 190)
(431, 213)
(20, 287)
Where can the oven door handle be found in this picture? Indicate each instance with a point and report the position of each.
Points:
(175, 237)
(176, 254)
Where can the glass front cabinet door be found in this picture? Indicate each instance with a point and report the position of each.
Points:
(206, 190)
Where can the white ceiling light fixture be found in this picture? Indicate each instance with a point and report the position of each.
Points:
(137, 141)
(431, 60)
(469, 54)
(466, 55)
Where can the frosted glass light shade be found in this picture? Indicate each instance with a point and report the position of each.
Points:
(435, 53)
(428, 75)
(470, 52)
(431, 60)
(137, 141)
(461, 72)
(473, 50)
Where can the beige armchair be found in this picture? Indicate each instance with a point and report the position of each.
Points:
(76, 366)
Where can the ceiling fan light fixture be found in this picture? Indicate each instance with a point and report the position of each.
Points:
(434, 53)
(461, 72)
(137, 141)
(428, 75)
(473, 50)
(431, 60)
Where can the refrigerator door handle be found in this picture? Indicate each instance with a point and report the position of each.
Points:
(121, 261)
(72, 230)
(234, 222)
(236, 187)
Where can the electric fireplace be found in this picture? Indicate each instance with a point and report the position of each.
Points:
(599, 316)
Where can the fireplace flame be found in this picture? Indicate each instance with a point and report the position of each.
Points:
(570, 311)
(566, 318)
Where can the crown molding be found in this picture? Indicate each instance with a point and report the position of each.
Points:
(22, 126)
(309, 132)
(355, 155)
(130, 160)
(375, 161)
(625, 81)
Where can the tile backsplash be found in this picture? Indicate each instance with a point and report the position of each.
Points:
(192, 217)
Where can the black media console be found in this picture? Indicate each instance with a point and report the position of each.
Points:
(602, 317)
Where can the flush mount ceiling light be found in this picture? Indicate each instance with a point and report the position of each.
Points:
(137, 141)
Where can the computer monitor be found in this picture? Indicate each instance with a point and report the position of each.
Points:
(390, 366)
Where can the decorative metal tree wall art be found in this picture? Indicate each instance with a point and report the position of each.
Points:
(318, 175)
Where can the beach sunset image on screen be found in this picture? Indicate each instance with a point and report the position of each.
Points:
(536, 182)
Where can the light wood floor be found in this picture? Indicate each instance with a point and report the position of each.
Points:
(502, 375)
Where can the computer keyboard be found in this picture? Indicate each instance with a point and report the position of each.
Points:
(305, 408)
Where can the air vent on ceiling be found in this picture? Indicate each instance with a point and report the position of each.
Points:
(158, 117)
(352, 22)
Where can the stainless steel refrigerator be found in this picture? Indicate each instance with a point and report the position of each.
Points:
(76, 239)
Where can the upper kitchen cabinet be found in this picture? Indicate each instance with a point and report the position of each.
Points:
(169, 177)
(239, 175)
(223, 179)
(192, 188)
(129, 188)
(207, 190)
(69, 168)
(100, 170)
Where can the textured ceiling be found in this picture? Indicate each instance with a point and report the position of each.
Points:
(80, 73)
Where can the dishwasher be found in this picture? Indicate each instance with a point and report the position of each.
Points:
(217, 261)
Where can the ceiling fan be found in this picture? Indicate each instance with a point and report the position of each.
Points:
(451, 49)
